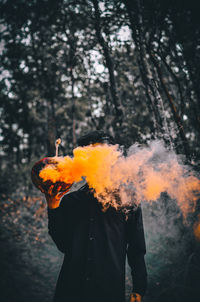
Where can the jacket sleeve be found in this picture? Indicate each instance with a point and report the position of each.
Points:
(57, 226)
(136, 250)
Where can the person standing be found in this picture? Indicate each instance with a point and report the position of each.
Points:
(95, 244)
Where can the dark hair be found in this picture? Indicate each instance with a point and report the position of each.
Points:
(97, 136)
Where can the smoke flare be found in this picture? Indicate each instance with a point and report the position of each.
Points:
(123, 181)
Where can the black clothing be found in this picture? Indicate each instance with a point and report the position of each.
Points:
(95, 244)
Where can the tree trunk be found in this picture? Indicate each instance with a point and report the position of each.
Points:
(73, 110)
(135, 18)
(176, 116)
(51, 132)
(109, 62)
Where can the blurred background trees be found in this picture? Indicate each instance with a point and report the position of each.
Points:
(68, 67)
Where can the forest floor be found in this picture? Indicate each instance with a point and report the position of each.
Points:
(29, 262)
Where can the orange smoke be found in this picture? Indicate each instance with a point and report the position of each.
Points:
(94, 163)
(121, 181)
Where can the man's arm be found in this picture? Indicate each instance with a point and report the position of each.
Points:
(57, 218)
(57, 227)
(136, 250)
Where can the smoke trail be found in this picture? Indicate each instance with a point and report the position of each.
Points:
(121, 181)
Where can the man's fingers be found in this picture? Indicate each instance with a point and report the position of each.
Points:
(60, 194)
(134, 297)
(51, 190)
(54, 191)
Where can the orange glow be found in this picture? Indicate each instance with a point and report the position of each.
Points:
(141, 176)
(197, 229)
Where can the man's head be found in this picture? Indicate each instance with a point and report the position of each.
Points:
(94, 137)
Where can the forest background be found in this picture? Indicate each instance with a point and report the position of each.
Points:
(67, 67)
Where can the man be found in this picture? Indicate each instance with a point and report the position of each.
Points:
(95, 244)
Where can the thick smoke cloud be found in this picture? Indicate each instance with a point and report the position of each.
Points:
(121, 181)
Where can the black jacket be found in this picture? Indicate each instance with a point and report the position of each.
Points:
(95, 244)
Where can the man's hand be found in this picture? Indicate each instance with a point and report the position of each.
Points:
(134, 297)
(53, 195)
